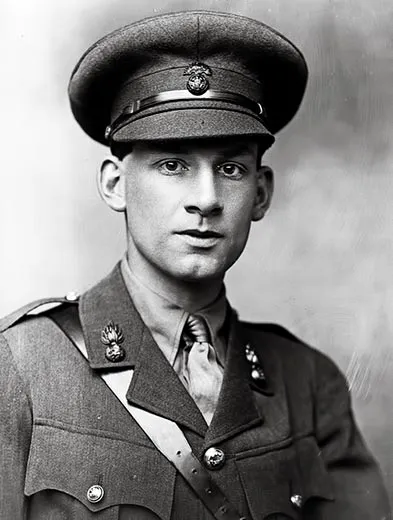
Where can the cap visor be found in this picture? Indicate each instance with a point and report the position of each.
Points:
(192, 124)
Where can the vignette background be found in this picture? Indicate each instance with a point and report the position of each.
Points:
(321, 261)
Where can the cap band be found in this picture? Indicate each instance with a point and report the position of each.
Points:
(182, 95)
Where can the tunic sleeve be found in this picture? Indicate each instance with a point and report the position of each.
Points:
(358, 484)
(15, 434)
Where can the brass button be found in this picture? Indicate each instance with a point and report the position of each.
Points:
(214, 458)
(297, 501)
(95, 493)
(72, 296)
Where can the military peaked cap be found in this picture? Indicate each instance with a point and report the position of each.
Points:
(188, 75)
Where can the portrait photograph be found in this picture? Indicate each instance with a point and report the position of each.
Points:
(196, 290)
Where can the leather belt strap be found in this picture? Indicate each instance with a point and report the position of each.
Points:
(165, 434)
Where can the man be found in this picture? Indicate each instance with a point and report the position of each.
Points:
(147, 398)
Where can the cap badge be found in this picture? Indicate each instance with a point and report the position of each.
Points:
(112, 336)
(197, 83)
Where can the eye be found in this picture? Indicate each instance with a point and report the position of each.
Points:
(171, 167)
(232, 170)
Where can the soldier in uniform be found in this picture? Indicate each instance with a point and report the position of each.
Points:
(147, 398)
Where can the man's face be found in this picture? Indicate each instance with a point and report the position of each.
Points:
(189, 204)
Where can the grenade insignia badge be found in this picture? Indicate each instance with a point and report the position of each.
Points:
(112, 336)
(257, 372)
(197, 83)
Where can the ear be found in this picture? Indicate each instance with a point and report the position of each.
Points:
(111, 183)
(265, 188)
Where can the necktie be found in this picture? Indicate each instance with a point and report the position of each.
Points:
(202, 372)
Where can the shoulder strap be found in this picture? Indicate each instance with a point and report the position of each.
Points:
(165, 434)
(17, 315)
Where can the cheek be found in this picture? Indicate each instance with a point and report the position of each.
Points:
(140, 196)
(150, 206)
(240, 206)
(239, 218)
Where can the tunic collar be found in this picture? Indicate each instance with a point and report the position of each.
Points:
(155, 386)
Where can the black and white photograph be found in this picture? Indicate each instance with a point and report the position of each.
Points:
(196, 311)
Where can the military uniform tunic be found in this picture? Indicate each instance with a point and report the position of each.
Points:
(292, 448)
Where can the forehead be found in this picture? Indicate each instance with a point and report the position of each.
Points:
(213, 146)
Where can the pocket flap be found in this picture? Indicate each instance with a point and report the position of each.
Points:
(267, 484)
(72, 461)
(277, 484)
(313, 480)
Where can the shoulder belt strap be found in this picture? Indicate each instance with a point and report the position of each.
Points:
(14, 317)
(165, 434)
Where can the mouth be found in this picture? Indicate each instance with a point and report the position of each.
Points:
(197, 233)
(197, 239)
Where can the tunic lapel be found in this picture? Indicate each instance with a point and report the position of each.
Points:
(245, 404)
(236, 409)
(154, 386)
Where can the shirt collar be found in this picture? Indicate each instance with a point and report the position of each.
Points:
(166, 320)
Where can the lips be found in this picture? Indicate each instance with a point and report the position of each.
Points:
(201, 234)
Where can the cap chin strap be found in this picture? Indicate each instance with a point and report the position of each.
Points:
(172, 96)
(166, 435)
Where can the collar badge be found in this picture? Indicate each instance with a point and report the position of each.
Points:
(257, 372)
(197, 83)
(112, 336)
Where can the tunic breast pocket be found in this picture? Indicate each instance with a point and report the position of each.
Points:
(287, 483)
(79, 474)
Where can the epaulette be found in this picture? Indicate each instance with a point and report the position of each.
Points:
(19, 314)
(273, 328)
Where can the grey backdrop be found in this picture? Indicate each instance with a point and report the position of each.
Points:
(320, 263)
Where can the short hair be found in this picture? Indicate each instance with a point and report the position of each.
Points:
(120, 150)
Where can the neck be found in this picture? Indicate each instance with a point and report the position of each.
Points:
(189, 295)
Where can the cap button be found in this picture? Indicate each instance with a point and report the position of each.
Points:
(214, 458)
(72, 296)
(95, 493)
(108, 131)
(297, 501)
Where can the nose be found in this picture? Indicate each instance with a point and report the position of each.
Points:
(204, 197)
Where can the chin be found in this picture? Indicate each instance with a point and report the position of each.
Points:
(200, 271)
(201, 277)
